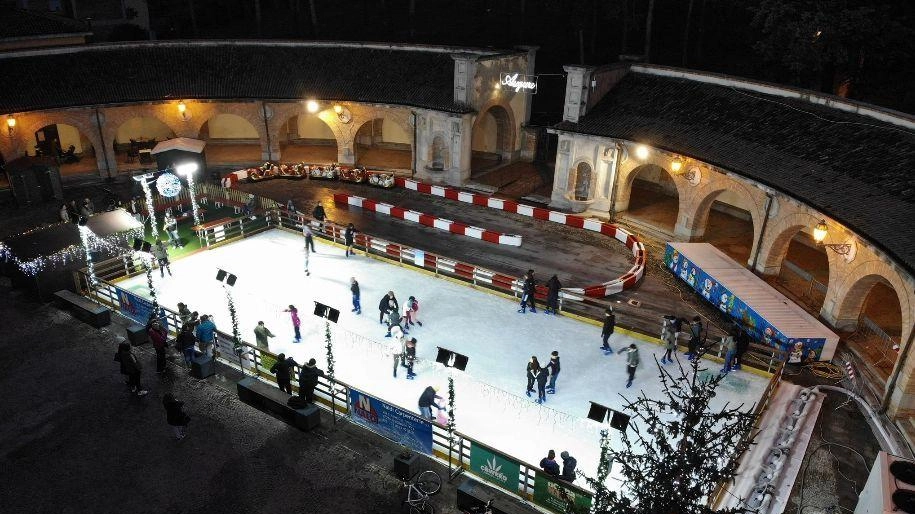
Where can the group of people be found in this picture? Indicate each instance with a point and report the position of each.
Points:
(543, 376)
(529, 291)
(391, 313)
(309, 373)
(71, 212)
(549, 466)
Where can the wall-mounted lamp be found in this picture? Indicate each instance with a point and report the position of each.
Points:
(641, 152)
(343, 113)
(821, 230)
(312, 106)
(10, 125)
(182, 111)
(676, 165)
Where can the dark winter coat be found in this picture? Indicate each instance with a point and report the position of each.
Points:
(609, 324)
(427, 399)
(349, 235)
(531, 370)
(743, 342)
(186, 339)
(282, 369)
(354, 288)
(542, 375)
(383, 304)
(553, 365)
(174, 414)
(129, 363)
(553, 286)
(318, 213)
(568, 468)
(549, 466)
(529, 286)
(159, 337)
(308, 377)
(695, 329)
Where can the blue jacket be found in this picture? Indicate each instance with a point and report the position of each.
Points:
(205, 331)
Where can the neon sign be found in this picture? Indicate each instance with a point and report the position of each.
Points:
(518, 82)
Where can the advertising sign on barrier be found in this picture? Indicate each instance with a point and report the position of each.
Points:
(392, 422)
(494, 467)
(138, 308)
(548, 492)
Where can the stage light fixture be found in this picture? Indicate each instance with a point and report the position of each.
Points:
(451, 359)
(187, 168)
(226, 277)
(327, 312)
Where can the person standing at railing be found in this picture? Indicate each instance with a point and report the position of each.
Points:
(319, 216)
(549, 465)
(283, 370)
(695, 333)
(184, 314)
(427, 401)
(206, 334)
(159, 338)
(354, 289)
(568, 467)
(729, 345)
(262, 335)
(552, 295)
(528, 288)
(160, 251)
(296, 322)
(185, 343)
(349, 237)
(308, 380)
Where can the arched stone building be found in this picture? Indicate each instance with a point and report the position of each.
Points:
(420, 109)
(668, 150)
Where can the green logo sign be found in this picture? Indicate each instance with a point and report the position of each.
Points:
(494, 468)
(554, 495)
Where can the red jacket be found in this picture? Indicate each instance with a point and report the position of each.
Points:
(159, 337)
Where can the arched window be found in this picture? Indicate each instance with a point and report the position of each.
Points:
(581, 181)
(438, 152)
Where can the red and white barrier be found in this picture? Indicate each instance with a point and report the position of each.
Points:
(626, 281)
(234, 178)
(430, 221)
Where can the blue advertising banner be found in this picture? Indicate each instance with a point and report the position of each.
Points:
(728, 303)
(138, 308)
(392, 422)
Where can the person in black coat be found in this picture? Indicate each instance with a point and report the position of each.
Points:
(542, 375)
(531, 370)
(319, 215)
(384, 306)
(528, 289)
(354, 289)
(308, 380)
(607, 330)
(283, 370)
(175, 415)
(568, 467)
(743, 343)
(131, 367)
(552, 295)
(427, 401)
(186, 342)
(553, 368)
(349, 237)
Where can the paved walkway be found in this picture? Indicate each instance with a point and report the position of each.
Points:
(75, 440)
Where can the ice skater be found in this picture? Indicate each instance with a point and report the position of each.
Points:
(349, 237)
(395, 348)
(542, 376)
(384, 305)
(413, 317)
(262, 334)
(410, 352)
(669, 338)
(632, 362)
(553, 367)
(695, 333)
(354, 289)
(393, 317)
(160, 252)
(532, 369)
(552, 295)
(607, 330)
(296, 322)
(528, 289)
(729, 345)
(309, 238)
(427, 401)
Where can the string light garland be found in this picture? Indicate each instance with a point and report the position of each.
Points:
(192, 190)
(150, 207)
(85, 235)
(233, 315)
(112, 244)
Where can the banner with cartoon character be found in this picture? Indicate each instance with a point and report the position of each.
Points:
(554, 494)
(729, 303)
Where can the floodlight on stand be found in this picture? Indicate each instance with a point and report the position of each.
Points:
(187, 168)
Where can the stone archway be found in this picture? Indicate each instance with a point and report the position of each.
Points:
(306, 137)
(653, 197)
(70, 147)
(93, 160)
(133, 136)
(232, 139)
(384, 142)
(492, 138)
(736, 221)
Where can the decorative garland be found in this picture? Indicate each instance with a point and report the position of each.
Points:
(330, 354)
(192, 190)
(152, 288)
(236, 339)
(85, 235)
(451, 425)
(113, 243)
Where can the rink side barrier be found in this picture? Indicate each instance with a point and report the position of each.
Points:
(626, 281)
(335, 397)
(454, 227)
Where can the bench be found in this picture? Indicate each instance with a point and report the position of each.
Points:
(84, 309)
(271, 400)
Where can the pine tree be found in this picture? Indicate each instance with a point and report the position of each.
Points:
(676, 451)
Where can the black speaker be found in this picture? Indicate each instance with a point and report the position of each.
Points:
(619, 421)
(326, 311)
(597, 412)
(231, 280)
(443, 356)
(221, 275)
(452, 359)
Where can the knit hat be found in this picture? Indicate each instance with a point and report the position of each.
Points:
(564, 455)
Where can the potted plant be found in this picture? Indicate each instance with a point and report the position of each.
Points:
(406, 463)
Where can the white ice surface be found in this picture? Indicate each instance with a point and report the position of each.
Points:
(490, 401)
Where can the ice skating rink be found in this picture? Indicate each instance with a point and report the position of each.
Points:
(491, 404)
